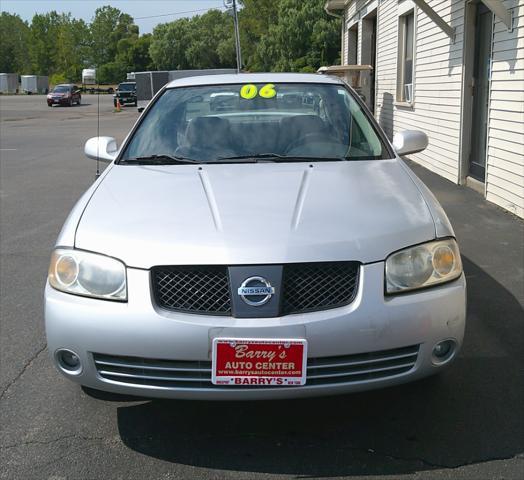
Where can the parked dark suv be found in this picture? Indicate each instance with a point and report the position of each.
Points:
(126, 93)
(64, 94)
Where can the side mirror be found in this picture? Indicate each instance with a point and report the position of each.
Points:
(103, 148)
(410, 141)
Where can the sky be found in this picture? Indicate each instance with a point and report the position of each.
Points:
(85, 9)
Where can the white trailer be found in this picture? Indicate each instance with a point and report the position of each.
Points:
(34, 84)
(89, 76)
(8, 82)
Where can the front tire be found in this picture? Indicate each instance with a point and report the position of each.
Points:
(79, 100)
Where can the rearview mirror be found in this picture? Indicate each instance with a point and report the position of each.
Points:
(410, 141)
(103, 148)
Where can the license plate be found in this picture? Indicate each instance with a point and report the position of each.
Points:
(262, 362)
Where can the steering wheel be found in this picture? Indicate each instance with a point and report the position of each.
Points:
(311, 137)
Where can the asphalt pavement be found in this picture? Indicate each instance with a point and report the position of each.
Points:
(467, 423)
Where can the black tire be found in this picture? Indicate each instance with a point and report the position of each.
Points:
(70, 104)
(114, 103)
(79, 100)
(136, 103)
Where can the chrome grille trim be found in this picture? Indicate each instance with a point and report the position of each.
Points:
(117, 363)
(149, 377)
(360, 372)
(197, 374)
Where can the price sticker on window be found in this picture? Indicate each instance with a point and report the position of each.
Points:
(250, 91)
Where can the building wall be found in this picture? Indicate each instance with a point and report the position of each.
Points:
(505, 163)
(438, 84)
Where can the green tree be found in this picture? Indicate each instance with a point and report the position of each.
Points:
(255, 18)
(59, 46)
(138, 54)
(169, 43)
(303, 38)
(43, 43)
(113, 34)
(104, 23)
(203, 41)
(14, 39)
(73, 43)
(211, 41)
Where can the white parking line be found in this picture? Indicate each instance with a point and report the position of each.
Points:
(8, 149)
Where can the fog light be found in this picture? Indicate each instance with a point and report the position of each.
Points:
(69, 361)
(443, 351)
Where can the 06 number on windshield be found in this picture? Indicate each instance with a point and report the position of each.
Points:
(250, 91)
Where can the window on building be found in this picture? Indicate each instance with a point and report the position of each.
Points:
(352, 45)
(406, 44)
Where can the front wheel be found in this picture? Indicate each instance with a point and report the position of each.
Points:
(79, 100)
(70, 104)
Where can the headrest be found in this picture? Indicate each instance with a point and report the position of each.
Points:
(300, 125)
(203, 131)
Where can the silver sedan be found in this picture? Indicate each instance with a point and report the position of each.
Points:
(273, 246)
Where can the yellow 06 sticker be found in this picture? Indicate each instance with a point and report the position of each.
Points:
(250, 91)
(267, 91)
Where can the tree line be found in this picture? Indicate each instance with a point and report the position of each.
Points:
(276, 35)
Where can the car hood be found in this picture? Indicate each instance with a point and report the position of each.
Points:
(254, 213)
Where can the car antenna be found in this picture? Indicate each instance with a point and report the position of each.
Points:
(97, 126)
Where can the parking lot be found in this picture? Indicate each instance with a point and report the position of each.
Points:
(466, 423)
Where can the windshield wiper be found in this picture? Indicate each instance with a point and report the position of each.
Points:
(278, 158)
(159, 159)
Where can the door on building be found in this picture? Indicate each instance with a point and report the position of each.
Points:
(480, 91)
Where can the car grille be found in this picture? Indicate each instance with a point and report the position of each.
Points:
(318, 286)
(193, 289)
(197, 374)
(306, 287)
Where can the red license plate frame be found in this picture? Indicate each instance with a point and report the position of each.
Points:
(259, 362)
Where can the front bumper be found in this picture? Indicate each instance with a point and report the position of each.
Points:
(371, 323)
(58, 101)
(126, 100)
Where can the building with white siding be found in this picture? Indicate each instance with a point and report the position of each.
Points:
(454, 69)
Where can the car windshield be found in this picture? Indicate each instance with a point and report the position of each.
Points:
(126, 87)
(255, 122)
(61, 89)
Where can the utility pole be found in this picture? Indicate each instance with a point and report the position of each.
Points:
(232, 5)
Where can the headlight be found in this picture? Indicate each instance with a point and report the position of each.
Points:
(88, 274)
(423, 265)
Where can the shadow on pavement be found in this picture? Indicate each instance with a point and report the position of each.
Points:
(470, 413)
(74, 106)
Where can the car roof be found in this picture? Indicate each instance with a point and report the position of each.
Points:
(254, 78)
